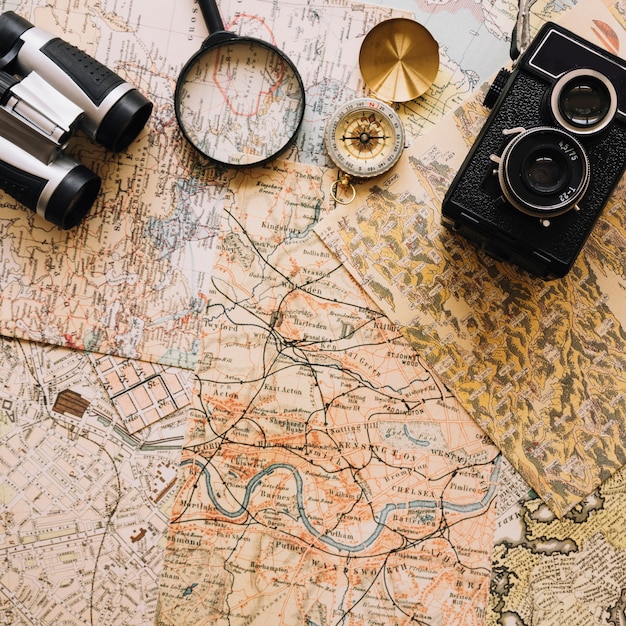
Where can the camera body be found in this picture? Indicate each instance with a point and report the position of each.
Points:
(548, 157)
(48, 91)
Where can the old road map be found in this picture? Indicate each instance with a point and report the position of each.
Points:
(370, 499)
(327, 476)
(90, 444)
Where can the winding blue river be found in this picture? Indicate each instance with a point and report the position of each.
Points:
(417, 505)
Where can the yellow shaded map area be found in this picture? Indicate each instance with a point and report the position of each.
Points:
(539, 365)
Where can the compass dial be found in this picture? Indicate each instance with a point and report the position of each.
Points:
(364, 137)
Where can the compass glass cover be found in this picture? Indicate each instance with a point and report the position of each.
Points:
(365, 137)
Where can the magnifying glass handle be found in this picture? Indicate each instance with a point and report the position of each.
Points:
(211, 15)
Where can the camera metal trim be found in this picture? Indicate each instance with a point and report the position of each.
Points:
(520, 192)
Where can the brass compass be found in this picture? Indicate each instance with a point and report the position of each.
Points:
(399, 60)
(364, 138)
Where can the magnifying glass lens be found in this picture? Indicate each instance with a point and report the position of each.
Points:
(240, 102)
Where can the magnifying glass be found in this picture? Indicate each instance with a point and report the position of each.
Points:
(239, 100)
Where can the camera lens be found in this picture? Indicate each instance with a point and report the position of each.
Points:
(543, 171)
(583, 101)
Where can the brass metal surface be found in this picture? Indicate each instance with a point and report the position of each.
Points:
(399, 60)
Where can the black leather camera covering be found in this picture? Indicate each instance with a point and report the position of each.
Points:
(473, 205)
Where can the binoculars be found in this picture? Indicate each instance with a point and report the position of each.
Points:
(50, 89)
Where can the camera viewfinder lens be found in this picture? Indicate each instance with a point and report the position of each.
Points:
(583, 101)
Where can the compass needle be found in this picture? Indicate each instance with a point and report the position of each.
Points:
(364, 137)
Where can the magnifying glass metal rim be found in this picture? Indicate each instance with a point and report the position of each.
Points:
(216, 40)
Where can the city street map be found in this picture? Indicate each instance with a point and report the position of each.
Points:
(327, 476)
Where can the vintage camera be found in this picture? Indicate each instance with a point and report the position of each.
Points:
(548, 157)
(49, 90)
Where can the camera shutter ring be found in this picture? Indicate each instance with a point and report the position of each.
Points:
(544, 172)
